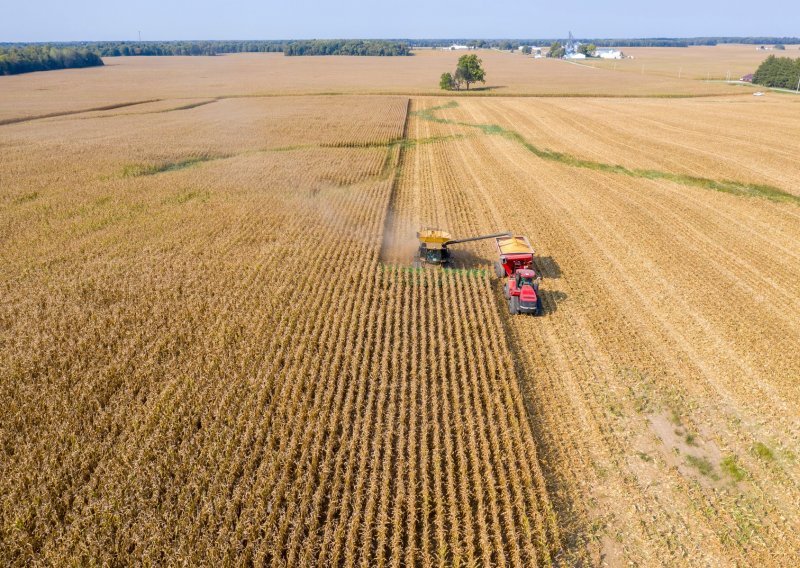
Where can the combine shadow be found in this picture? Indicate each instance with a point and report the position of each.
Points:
(466, 259)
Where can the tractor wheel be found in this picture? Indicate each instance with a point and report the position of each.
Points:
(505, 291)
(513, 305)
(498, 270)
(539, 307)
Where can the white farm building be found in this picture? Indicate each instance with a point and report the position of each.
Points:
(608, 54)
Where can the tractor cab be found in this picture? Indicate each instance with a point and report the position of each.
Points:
(522, 291)
(526, 277)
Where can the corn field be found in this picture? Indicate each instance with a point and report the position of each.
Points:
(216, 349)
(207, 363)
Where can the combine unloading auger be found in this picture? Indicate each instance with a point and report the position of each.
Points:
(515, 263)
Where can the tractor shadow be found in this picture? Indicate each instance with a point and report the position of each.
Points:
(550, 300)
(547, 266)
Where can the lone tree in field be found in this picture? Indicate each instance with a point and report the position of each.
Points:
(469, 70)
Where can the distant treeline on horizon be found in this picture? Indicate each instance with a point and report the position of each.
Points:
(26, 57)
(29, 58)
(391, 46)
(215, 47)
(18, 58)
(605, 42)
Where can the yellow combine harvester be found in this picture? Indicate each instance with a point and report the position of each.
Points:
(433, 244)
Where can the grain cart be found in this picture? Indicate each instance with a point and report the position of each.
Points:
(516, 265)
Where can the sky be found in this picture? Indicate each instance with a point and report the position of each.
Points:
(57, 20)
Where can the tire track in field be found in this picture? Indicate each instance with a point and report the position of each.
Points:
(71, 112)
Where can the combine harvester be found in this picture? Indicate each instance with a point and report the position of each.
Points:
(515, 264)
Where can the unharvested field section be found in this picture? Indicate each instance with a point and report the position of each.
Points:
(205, 362)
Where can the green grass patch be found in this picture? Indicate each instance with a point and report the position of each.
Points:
(702, 465)
(138, 170)
(691, 439)
(409, 142)
(439, 273)
(763, 451)
(730, 466)
(290, 148)
(616, 410)
(428, 113)
(725, 186)
(472, 272)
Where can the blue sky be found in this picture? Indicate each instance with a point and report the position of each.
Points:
(57, 20)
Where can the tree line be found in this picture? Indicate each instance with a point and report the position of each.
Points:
(780, 72)
(24, 58)
(15, 60)
(123, 48)
(288, 47)
(347, 47)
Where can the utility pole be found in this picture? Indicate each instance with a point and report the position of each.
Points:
(797, 90)
(679, 72)
(140, 36)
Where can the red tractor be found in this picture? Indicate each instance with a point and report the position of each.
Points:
(516, 264)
